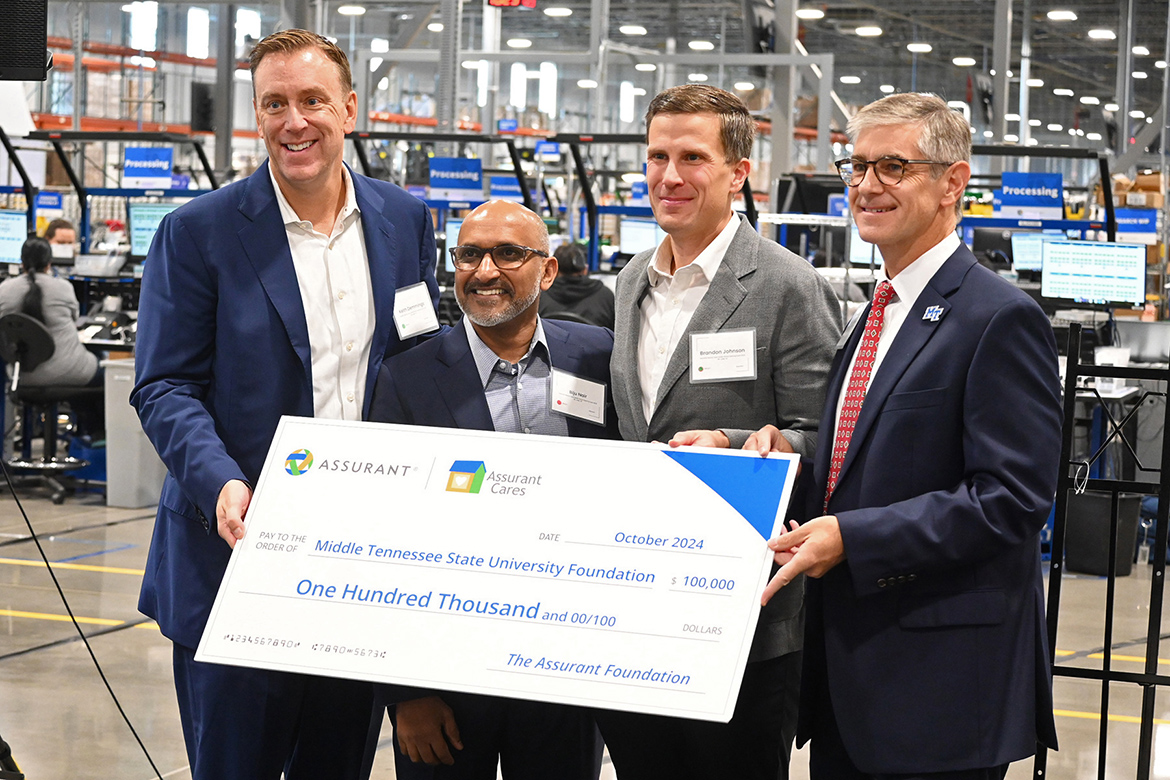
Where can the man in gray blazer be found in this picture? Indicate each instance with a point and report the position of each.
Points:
(714, 287)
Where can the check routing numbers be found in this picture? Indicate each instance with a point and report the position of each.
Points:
(686, 568)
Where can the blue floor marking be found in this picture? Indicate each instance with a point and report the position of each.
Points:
(92, 554)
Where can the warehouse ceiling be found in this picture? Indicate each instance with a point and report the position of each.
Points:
(1064, 56)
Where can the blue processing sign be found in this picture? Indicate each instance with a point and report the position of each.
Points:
(456, 178)
(148, 167)
(1032, 195)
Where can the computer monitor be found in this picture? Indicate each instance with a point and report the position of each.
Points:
(862, 252)
(452, 230)
(13, 234)
(1026, 255)
(992, 244)
(144, 219)
(1093, 272)
(638, 235)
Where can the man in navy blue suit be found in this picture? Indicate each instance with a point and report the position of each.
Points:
(925, 650)
(272, 296)
(498, 373)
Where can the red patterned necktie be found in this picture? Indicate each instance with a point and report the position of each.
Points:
(858, 383)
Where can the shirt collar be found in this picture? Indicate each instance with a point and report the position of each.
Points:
(487, 361)
(708, 261)
(289, 216)
(910, 283)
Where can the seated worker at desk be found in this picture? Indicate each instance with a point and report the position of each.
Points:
(495, 370)
(62, 238)
(573, 292)
(51, 301)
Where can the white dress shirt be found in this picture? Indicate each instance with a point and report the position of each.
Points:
(668, 307)
(908, 285)
(334, 278)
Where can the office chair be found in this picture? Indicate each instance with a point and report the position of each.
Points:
(25, 344)
(567, 316)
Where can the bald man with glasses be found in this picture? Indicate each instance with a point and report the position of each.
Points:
(493, 372)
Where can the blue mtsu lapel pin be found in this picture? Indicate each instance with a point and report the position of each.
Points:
(933, 313)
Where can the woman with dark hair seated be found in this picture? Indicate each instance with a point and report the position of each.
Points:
(51, 301)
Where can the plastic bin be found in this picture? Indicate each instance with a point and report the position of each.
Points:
(1086, 541)
(134, 473)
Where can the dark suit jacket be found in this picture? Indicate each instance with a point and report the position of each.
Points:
(797, 321)
(930, 637)
(437, 382)
(223, 352)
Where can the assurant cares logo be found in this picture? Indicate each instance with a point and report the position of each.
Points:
(466, 476)
(298, 462)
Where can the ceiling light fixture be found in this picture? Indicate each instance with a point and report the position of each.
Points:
(1012, 117)
(919, 47)
(351, 10)
(1137, 113)
(869, 31)
(587, 84)
(697, 77)
(1035, 83)
(850, 79)
(1140, 74)
(744, 86)
(1062, 92)
(1141, 51)
(1089, 100)
(632, 29)
(701, 45)
(1093, 136)
(1034, 123)
(887, 89)
(646, 67)
(1062, 16)
(964, 62)
(1011, 138)
(1055, 127)
(519, 43)
(1111, 107)
(435, 27)
(809, 13)
(558, 11)
(1102, 35)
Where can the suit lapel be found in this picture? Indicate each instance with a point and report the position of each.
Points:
(915, 333)
(458, 383)
(565, 355)
(266, 244)
(627, 329)
(723, 297)
(382, 253)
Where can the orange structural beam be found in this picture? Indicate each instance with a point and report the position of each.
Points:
(106, 124)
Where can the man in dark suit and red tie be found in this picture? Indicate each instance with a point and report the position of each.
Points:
(925, 648)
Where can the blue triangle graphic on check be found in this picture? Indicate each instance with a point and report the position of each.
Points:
(730, 477)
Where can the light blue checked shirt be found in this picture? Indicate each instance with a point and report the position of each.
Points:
(518, 395)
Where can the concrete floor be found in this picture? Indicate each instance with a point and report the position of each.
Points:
(61, 722)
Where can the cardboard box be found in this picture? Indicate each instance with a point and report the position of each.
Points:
(1140, 199)
(1149, 182)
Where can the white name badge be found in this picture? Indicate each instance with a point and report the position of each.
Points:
(545, 570)
(578, 397)
(724, 356)
(413, 312)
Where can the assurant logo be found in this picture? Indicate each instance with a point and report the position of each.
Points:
(466, 476)
(298, 462)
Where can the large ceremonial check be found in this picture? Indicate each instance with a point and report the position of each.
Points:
(606, 574)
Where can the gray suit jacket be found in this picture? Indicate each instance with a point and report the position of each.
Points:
(797, 320)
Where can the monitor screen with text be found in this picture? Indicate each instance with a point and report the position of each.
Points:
(13, 232)
(1093, 272)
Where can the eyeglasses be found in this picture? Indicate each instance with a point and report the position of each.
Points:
(889, 170)
(505, 256)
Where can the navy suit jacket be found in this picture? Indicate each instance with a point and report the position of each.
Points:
(223, 352)
(930, 636)
(438, 384)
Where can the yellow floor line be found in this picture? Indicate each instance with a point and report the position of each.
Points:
(73, 566)
(1112, 718)
(149, 626)
(1060, 653)
(60, 618)
(1141, 659)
